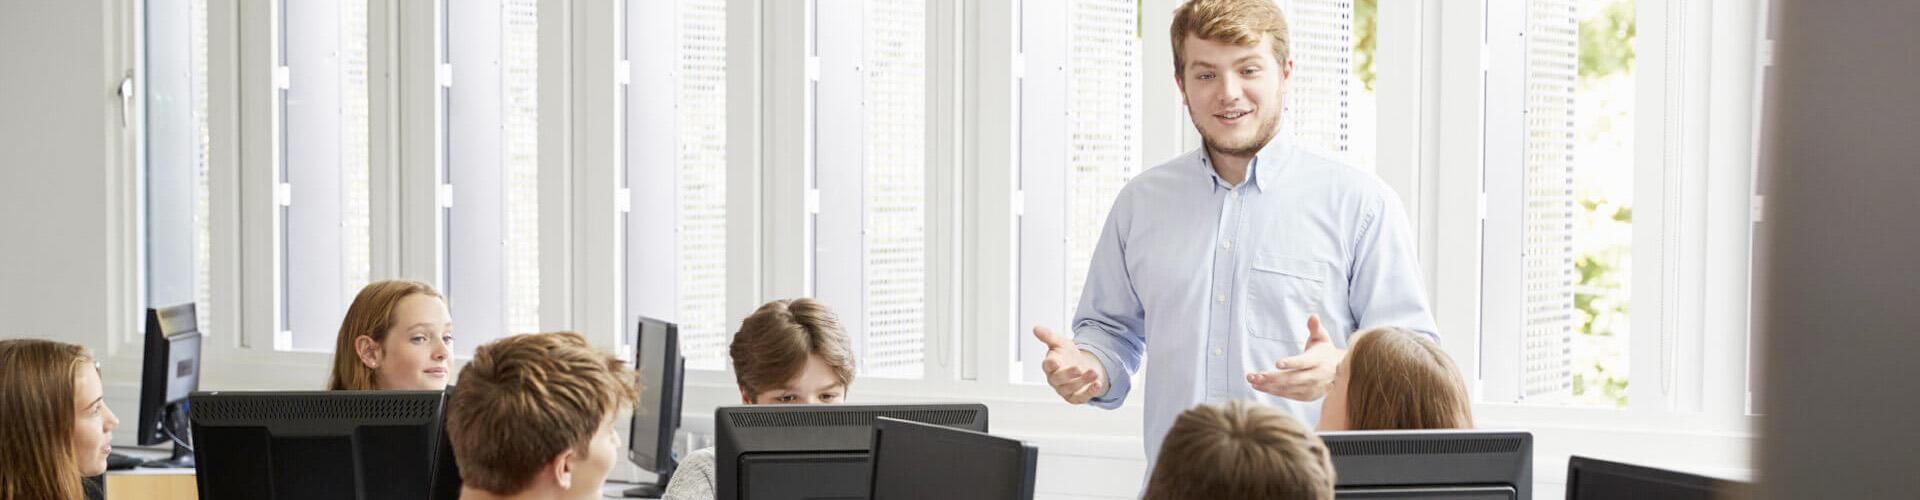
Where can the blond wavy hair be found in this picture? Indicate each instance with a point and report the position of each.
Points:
(1238, 22)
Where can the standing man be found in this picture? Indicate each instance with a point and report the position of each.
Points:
(1241, 268)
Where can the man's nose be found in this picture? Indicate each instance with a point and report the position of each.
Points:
(1230, 89)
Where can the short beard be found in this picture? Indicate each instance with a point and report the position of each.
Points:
(1268, 129)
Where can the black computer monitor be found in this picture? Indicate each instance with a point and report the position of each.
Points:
(446, 470)
(650, 443)
(931, 462)
(363, 445)
(169, 371)
(812, 451)
(1590, 478)
(1456, 464)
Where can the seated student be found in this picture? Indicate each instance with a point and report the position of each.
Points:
(533, 417)
(1393, 378)
(787, 352)
(56, 423)
(1242, 450)
(396, 336)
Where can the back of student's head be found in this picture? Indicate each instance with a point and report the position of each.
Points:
(1240, 450)
(524, 400)
(37, 405)
(776, 341)
(1399, 379)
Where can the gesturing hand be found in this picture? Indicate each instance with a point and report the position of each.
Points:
(1073, 372)
(1304, 377)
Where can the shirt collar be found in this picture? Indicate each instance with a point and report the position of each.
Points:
(1274, 151)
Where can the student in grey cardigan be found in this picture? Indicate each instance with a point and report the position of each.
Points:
(787, 352)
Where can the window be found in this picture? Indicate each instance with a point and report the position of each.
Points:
(869, 176)
(675, 173)
(493, 234)
(1319, 109)
(178, 238)
(1363, 116)
(1574, 193)
(321, 168)
(1080, 119)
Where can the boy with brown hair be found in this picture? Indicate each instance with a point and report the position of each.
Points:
(1241, 450)
(787, 352)
(532, 417)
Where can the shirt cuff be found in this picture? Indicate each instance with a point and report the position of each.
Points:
(1119, 382)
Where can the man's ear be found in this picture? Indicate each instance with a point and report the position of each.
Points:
(560, 469)
(368, 350)
(1182, 84)
(744, 398)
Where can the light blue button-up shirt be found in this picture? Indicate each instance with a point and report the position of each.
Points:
(1214, 281)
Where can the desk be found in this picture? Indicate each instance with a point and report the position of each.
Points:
(151, 484)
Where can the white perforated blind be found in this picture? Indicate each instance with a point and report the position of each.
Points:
(1103, 124)
(520, 73)
(1552, 76)
(895, 56)
(1318, 96)
(702, 224)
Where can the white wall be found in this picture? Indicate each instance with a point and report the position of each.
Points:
(58, 133)
(65, 183)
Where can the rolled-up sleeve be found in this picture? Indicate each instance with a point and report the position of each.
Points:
(1110, 321)
(1385, 285)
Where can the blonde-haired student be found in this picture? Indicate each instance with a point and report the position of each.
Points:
(397, 335)
(1393, 378)
(57, 423)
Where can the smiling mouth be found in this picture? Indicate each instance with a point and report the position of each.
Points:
(437, 372)
(1232, 117)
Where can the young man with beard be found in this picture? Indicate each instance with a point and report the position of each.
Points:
(1240, 268)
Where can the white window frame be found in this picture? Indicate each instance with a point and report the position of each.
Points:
(812, 217)
(408, 80)
(1695, 414)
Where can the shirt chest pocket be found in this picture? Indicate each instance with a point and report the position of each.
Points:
(1281, 292)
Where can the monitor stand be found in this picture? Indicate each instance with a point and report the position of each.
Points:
(182, 459)
(174, 424)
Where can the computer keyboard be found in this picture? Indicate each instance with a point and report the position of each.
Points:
(116, 461)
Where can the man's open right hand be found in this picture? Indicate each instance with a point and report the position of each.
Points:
(1073, 372)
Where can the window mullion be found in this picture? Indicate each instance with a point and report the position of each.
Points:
(942, 273)
(840, 145)
(989, 253)
(1502, 312)
(1041, 102)
(1653, 341)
